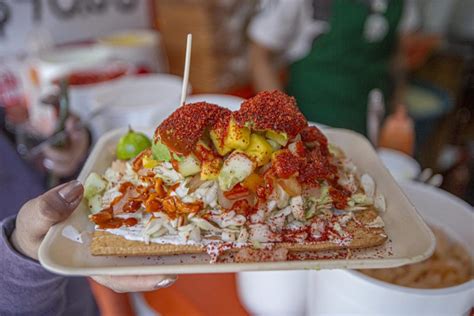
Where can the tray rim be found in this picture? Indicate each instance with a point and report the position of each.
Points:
(52, 266)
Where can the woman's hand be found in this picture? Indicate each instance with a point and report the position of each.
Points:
(63, 162)
(38, 215)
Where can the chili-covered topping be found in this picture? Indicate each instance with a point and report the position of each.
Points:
(184, 127)
(317, 167)
(131, 206)
(285, 164)
(221, 124)
(339, 197)
(272, 111)
(313, 134)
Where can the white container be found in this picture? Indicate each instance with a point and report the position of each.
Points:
(344, 292)
(401, 166)
(411, 239)
(228, 101)
(139, 47)
(139, 101)
(273, 293)
(55, 63)
(81, 96)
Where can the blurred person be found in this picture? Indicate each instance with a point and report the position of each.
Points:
(20, 181)
(336, 51)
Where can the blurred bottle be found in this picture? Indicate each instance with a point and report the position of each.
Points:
(12, 97)
(398, 132)
(375, 114)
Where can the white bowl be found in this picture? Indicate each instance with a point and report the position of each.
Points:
(273, 293)
(58, 62)
(141, 47)
(138, 101)
(228, 101)
(401, 166)
(81, 96)
(347, 292)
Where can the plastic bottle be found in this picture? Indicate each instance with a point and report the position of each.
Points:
(398, 132)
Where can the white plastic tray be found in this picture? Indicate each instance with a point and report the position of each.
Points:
(410, 240)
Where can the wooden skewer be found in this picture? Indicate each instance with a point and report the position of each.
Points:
(184, 90)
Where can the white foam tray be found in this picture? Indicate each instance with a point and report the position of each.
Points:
(410, 240)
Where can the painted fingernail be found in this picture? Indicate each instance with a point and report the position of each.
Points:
(164, 283)
(71, 191)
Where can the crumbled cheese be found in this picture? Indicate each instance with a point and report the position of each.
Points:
(346, 218)
(368, 184)
(317, 228)
(243, 235)
(166, 172)
(376, 223)
(258, 216)
(260, 233)
(337, 227)
(276, 222)
(379, 203)
(227, 236)
(297, 207)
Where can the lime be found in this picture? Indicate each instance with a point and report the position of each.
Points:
(131, 144)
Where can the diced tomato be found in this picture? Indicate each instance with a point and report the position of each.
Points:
(237, 192)
(205, 154)
(300, 149)
(253, 181)
(242, 207)
(290, 185)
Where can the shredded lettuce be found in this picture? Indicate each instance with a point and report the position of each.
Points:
(256, 244)
(324, 198)
(177, 157)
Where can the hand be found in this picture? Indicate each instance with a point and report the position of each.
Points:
(38, 215)
(63, 162)
(135, 283)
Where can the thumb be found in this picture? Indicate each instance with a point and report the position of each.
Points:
(38, 215)
(55, 205)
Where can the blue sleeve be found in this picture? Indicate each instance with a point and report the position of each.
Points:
(26, 287)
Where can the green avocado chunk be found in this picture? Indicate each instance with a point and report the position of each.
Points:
(160, 151)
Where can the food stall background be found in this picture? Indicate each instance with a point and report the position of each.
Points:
(39, 41)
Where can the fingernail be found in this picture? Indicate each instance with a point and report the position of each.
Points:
(164, 283)
(48, 164)
(71, 191)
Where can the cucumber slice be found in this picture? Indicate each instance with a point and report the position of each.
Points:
(95, 203)
(189, 166)
(236, 168)
(94, 184)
